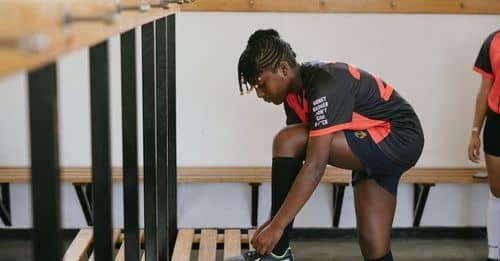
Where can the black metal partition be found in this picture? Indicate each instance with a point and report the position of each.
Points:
(45, 183)
(159, 137)
(129, 136)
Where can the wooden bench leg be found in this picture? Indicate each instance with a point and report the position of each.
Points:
(255, 203)
(85, 201)
(420, 199)
(338, 199)
(5, 205)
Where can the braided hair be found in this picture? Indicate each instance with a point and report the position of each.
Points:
(265, 49)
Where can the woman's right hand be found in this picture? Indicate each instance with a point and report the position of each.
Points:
(261, 227)
(474, 147)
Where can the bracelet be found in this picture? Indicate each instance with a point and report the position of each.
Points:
(475, 129)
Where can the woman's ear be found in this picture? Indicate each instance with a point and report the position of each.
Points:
(283, 69)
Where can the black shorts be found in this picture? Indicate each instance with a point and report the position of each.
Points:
(378, 166)
(491, 134)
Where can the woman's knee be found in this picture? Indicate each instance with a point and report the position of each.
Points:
(495, 190)
(291, 141)
(494, 180)
(373, 247)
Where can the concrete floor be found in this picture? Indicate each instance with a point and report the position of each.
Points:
(403, 250)
(339, 249)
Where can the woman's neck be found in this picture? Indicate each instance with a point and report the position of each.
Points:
(296, 85)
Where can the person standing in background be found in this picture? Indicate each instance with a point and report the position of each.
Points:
(488, 107)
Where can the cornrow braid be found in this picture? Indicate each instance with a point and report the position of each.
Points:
(265, 49)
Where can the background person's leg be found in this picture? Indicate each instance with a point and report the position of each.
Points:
(493, 224)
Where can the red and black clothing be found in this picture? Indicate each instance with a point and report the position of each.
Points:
(338, 97)
(488, 65)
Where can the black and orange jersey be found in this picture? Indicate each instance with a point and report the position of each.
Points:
(488, 65)
(338, 96)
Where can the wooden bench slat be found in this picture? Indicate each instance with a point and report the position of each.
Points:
(49, 21)
(346, 6)
(254, 175)
(251, 233)
(232, 243)
(79, 246)
(208, 245)
(121, 253)
(183, 245)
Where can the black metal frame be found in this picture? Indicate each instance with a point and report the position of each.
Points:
(161, 134)
(149, 141)
(172, 225)
(160, 167)
(101, 151)
(130, 152)
(45, 182)
(5, 204)
(84, 192)
(255, 203)
(338, 199)
(421, 193)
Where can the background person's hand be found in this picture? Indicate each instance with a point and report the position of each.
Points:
(474, 148)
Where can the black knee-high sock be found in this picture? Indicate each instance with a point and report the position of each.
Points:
(284, 171)
(387, 257)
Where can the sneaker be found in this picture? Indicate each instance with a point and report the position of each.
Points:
(254, 256)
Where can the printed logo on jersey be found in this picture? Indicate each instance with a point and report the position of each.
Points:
(360, 134)
(320, 111)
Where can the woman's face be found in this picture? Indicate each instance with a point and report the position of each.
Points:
(274, 86)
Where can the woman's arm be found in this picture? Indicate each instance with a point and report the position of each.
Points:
(480, 111)
(318, 151)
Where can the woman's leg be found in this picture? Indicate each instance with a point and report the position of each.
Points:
(493, 224)
(375, 209)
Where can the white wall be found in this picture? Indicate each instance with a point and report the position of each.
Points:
(427, 58)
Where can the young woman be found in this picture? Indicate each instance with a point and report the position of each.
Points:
(339, 115)
(488, 104)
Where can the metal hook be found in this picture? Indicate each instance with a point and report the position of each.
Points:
(30, 43)
(143, 6)
(106, 18)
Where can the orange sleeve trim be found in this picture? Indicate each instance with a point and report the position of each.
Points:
(354, 72)
(482, 72)
(331, 129)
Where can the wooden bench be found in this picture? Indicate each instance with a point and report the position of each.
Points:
(204, 241)
(80, 177)
(81, 246)
(233, 241)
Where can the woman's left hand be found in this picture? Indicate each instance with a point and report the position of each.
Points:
(267, 239)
